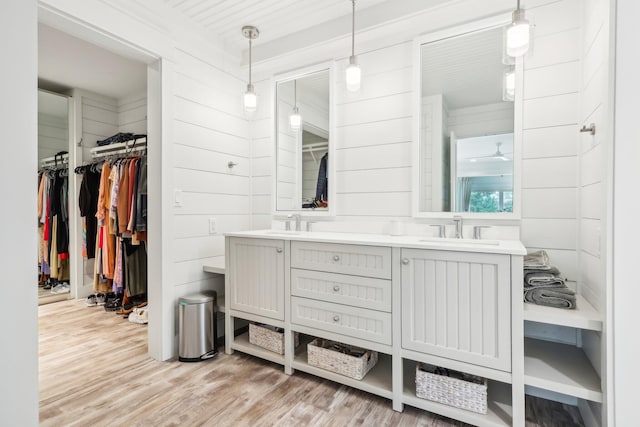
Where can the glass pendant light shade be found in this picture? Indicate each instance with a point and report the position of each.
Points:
(353, 75)
(250, 99)
(509, 85)
(518, 34)
(295, 119)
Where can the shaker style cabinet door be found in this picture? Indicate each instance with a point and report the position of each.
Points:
(257, 276)
(457, 305)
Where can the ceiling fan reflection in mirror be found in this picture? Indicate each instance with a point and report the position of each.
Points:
(498, 155)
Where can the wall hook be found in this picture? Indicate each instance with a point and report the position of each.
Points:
(231, 164)
(591, 129)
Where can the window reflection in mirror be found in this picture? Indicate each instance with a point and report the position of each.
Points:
(466, 141)
(302, 179)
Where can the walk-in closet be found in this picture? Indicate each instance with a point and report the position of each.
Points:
(92, 126)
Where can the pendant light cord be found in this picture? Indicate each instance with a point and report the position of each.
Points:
(353, 26)
(295, 94)
(250, 60)
(518, 5)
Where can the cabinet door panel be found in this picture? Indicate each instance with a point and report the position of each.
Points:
(257, 276)
(457, 305)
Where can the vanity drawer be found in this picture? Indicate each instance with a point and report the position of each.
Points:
(342, 319)
(365, 292)
(370, 261)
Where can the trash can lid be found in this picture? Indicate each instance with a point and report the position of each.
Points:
(198, 298)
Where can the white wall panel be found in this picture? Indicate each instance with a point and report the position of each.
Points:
(549, 203)
(198, 225)
(554, 49)
(209, 204)
(378, 85)
(377, 157)
(211, 182)
(590, 233)
(557, 141)
(374, 110)
(197, 248)
(549, 233)
(551, 111)
(370, 204)
(382, 180)
(552, 80)
(557, 172)
(219, 140)
(556, 17)
(204, 160)
(375, 133)
(591, 197)
(592, 169)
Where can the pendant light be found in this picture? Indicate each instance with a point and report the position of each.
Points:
(509, 84)
(250, 98)
(295, 119)
(353, 72)
(518, 33)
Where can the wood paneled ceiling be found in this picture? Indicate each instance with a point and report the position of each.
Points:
(274, 18)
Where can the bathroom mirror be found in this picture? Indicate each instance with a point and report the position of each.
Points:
(303, 130)
(466, 149)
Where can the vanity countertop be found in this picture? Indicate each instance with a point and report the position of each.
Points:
(510, 247)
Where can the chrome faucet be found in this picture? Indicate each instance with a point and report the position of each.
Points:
(458, 220)
(298, 219)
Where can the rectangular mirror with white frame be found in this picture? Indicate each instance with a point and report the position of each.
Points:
(304, 142)
(467, 109)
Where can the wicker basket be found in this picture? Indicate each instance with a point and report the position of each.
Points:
(452, 388)
(340, 358)
(269, 337)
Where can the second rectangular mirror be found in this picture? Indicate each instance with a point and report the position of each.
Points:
(303, 140)
(464, 159)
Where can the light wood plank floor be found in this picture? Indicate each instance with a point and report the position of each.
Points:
(94, 371)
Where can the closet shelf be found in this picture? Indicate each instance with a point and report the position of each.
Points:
(126, 147)
(584, 316)
(561, 368)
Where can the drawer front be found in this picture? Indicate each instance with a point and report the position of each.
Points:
(365, 292)
(370, 261)
(342, 319)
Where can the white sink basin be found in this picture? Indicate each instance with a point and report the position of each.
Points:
(459, 242)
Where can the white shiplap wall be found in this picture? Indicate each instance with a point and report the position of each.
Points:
(594, 151)
(550, 135)
(132, 114)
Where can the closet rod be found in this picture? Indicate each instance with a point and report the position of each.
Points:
(127, 147)
(51, 161)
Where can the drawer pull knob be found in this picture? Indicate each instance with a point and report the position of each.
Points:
(405, 261)
(336, 318)
(336, 258)
(279, 250)
(336, 288)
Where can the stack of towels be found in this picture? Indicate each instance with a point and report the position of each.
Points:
(543, 284)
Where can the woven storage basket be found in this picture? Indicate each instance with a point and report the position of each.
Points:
(323, 354)
(266, 337)
(452, 388)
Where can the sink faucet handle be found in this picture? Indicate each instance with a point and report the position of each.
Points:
(287, 224)
(477, 231)
(441, 229)
(458, 220)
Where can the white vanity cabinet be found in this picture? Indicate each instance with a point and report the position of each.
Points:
(256, 276)
(449, 303)
(457, 305)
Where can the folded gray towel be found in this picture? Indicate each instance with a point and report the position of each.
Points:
(562, 297)
(542, 278)
(536, 260)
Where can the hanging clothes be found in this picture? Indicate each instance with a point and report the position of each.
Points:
(323, 180)
(120, 235)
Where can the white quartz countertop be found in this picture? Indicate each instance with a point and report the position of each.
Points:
(511, 247)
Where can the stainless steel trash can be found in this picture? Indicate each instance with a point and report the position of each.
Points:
(197, 331)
